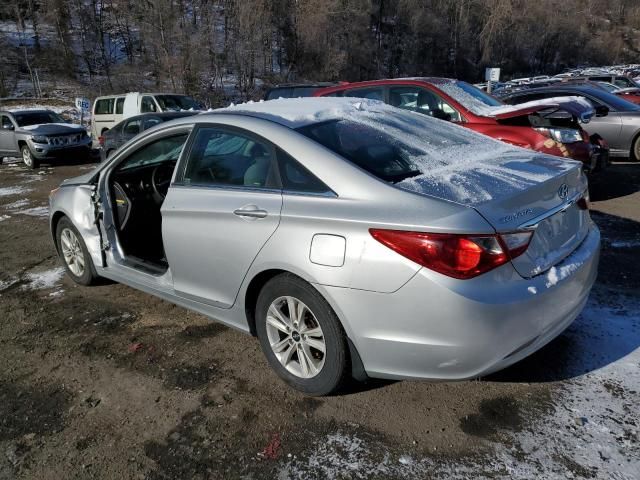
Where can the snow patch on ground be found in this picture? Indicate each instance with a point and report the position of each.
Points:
(4, 217)
(44, 280)
(35, 211)
(17, 204)
(9, 191)
(594, 430)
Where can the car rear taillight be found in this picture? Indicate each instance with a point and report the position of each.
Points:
(454, 255)
(101, 141)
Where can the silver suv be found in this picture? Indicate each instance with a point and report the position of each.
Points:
(40, 135)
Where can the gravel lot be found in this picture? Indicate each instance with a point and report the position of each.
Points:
(108, 382)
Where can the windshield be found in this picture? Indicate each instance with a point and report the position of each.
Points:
(37, 118)
(177, 103)
(393, 147)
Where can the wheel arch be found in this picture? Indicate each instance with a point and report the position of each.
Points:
(358, 371)
(55, 219)
(635, 138)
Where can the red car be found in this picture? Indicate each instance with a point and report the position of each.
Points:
(550, 126)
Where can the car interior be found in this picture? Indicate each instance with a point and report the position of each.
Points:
(138, 187)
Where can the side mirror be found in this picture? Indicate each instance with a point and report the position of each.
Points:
(602, 111)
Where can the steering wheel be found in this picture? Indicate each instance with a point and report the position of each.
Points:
(161, 178)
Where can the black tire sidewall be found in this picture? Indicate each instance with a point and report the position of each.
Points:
(89, 275)
(336, 362)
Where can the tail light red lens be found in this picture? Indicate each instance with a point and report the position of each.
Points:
(457, 256)
(101, 141)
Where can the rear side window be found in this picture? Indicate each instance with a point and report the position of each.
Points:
(6, 122)
(424, 101)
(297, 178)
(119, 106)
(104, 106)
(151, 122)
(374, 93)
(230, 158)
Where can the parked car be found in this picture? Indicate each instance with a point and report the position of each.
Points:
(620, 81)
(629, 94)
(41, 136)
(551, 127)
(620, 128)
(124, 131)
(352, 237)
(111, 109)
(295, 90)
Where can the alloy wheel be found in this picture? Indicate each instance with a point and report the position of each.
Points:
(26, 157)
(72, 252)
(296, 337)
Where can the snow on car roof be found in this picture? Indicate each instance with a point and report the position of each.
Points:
(299, 112)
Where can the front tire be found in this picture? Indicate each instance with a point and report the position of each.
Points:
(301, 336)
(74, 254)
(28, 158)
(635, 150)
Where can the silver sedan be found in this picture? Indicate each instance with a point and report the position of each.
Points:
(352, 238)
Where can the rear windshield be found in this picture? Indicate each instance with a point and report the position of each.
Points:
(177, 103)
(393, 147)
(37, 118)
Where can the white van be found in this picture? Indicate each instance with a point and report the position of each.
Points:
(109, 110)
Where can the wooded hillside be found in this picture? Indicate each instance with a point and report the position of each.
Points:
(195, 46)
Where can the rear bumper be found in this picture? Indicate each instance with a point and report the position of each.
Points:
(435, 327)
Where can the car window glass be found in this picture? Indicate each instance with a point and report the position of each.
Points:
(147, 105)
(374, 93)
(132, 127)
(623, 82)
(297, 178)
(221, 157)
(119, 106)
(104, 106)
(6, 122)
(151, 122)
(424, 101)
(162, 150)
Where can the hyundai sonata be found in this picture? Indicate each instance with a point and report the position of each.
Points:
(351, 237)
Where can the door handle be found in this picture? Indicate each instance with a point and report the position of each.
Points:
(250, 211)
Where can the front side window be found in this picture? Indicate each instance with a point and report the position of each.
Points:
(104, 106)
(119, 106)
(224, 157)
(6, 122)
(162, 150)
(424, 101)
(132, 127)
(147, 105)
(374, 93)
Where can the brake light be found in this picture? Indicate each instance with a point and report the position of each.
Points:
(101, 141)
(454, 255)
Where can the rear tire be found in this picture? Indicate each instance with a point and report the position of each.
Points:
(27, 157)
(74, 254)
(294, 343)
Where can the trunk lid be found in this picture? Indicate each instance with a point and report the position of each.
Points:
(516, 189)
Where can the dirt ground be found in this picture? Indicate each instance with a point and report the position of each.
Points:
(107, 382)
